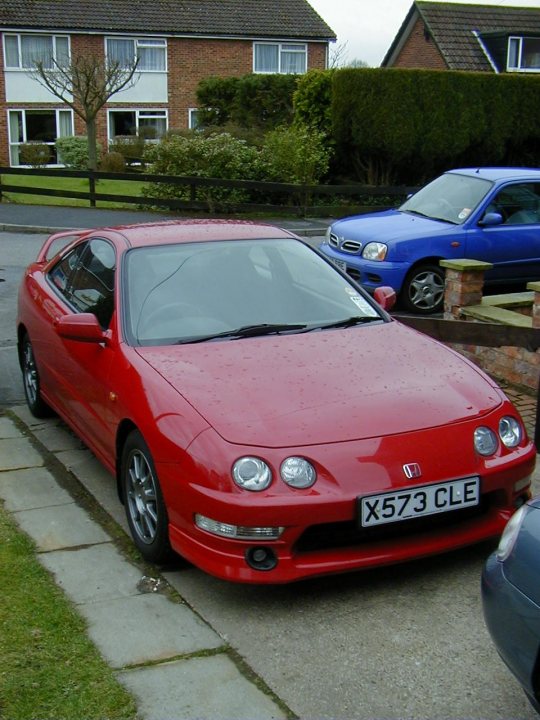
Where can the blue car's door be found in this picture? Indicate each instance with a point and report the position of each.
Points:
(513, 246)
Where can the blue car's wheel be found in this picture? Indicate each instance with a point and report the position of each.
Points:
(423, 290)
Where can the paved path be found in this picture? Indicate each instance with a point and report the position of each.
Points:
(175, 665)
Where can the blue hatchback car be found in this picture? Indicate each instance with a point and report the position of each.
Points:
(511, 597)
(490, 214)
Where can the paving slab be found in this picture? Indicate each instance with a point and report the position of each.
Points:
(31, 488)
(93, 574)
(18, 452)
(62, 526)
(204, 688)
(56, 436)
(8, 429)
(146, 628)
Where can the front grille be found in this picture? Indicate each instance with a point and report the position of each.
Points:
(333, 239)
(328, 536)
(351, 246)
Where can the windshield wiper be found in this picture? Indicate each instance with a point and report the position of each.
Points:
(348, 322)
(247, 331)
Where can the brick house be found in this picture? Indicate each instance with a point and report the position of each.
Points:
(177, 42)
(455, 36)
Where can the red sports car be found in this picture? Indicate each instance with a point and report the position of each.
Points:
(263, 416)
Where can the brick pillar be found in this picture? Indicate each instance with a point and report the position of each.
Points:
(535, 287)
(463, 284)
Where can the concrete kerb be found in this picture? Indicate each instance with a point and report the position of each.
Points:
(161, 650)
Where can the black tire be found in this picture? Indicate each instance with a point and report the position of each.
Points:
(145, 509)
(423, 290)
(32, 388)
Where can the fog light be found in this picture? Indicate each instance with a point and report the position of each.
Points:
(261, 558)
(237, 532)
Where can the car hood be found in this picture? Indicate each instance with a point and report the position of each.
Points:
(325, 386)
(388, 226)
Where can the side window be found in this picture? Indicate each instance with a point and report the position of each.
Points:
(85, 278)
(519, 204)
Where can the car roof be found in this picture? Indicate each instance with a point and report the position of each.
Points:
(501, 173)
(180, 231)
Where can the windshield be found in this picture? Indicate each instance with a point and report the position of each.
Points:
(451, 198)
(235, 289)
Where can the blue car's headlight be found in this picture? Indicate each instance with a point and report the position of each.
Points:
(375, 251)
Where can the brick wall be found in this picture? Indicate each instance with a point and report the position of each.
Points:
(420, 51)
(189, 61)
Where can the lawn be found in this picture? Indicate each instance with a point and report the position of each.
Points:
(48, 666)
(113, 187)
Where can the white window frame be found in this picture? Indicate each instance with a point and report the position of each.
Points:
(24, 68)
(17, 143)
(283, 47)
(192, 118)
(151, 113)
(519, 40)
(141, 42)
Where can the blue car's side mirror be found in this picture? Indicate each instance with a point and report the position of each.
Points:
(491, 218)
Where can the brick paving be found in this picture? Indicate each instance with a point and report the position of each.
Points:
(525, 401)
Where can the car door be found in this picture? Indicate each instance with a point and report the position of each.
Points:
(514, 245)
(86, 282)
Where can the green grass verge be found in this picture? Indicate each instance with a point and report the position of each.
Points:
(118, 187)
(48, 666)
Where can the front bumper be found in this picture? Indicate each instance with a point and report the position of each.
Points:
(321, 533)
(513, 621)
(369, 274)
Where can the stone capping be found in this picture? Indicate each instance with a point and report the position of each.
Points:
(464, 265)
(494, 314)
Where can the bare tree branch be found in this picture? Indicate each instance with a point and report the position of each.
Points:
(85, 84)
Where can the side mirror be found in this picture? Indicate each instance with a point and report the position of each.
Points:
(83, 327)
(386, 297)
(490, 219)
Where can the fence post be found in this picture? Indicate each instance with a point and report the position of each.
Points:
(464, 283)
(0, 188)
(92, 188)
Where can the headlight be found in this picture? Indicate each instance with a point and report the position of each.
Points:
(510, 431)
(485, 441)
(298, 473)
(374, 251)
(251, 473)
(510, 533)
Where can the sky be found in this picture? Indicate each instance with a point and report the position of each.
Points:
(365, 29)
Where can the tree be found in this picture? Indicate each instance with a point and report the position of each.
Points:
(85, 84)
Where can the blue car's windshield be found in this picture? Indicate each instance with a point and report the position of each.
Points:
(451, 198)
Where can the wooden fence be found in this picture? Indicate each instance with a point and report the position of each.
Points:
(206, 194)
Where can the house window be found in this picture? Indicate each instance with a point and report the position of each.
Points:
(22, 52)
(279, 58)
(194, 119)
(150, 124)
(524, 54)
(39, 126)
(152, 53)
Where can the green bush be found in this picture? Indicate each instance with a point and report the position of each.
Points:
(260, 101)
(35, 154)
(395, 125)
(112, 162)
(313, 101)
(131, 147)
(296, 154)
(72, 151)
(215, 156)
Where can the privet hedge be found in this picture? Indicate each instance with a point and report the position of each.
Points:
(391, 125)
(261, 101)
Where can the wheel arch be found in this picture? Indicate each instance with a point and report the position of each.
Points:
(21, 332)
(429, 260)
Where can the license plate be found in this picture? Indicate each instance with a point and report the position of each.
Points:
(341, 264)
(419, 501)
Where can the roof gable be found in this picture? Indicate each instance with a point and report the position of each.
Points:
(227, 18)
(463, 33)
